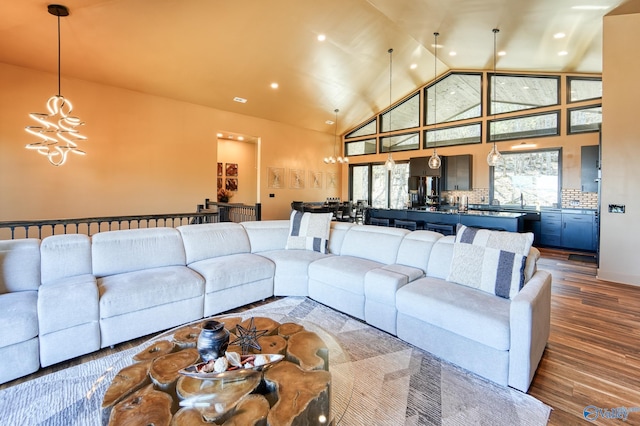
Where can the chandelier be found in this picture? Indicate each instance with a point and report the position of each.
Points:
(333, 158)
(494, 157)
(390, 164)
(434, 160)
(57, 129)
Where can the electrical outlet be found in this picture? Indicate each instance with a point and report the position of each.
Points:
(616, 208)
(272, 195)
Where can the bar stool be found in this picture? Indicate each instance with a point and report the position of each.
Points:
(406, 224)
(443, 228)
(379, 221)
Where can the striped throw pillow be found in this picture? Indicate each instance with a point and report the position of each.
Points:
(491, 261)
(309, 231)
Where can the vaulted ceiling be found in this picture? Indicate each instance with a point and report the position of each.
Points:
(208, 52)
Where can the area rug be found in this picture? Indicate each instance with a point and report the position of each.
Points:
(393, 383)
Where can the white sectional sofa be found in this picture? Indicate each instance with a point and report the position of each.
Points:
(70, 294)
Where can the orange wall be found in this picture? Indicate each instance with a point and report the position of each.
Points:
(145, 154)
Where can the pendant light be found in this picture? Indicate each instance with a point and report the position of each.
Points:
(333, 159)
(494, 157)
(390, 164)
(57, 128)
(434, 161)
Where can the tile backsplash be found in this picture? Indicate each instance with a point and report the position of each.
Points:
(571, 198)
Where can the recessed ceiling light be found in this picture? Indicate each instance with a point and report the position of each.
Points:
(240, 138)
(239, 99)
(563, 53)
(274, 85)
(436, 46)
(452, 53)
(219, 135)
(502, 53)
(322, 37)
(413, 66)
(329, 122)
(559, 35)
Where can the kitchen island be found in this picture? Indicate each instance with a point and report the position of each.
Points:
(498, 220)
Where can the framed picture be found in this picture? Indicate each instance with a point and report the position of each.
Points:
(296, 179)
(231, 184)
(219, 182)
(332, 180)
(315, 180)
(275, 177)
(219, 169)
(231, 169)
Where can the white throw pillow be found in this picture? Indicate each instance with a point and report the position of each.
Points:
(491, 261)
(309, 231)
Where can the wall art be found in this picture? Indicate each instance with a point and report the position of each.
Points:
(275, 177)
(296, 179)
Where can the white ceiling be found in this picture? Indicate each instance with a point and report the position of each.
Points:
(209, 51)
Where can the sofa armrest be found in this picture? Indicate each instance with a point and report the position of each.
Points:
(530, 322)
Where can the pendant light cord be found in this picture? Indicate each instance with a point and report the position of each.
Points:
(59, 91)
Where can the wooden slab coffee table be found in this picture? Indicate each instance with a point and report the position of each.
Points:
(312, 384)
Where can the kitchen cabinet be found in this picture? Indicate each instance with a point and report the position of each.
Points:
(589, 165)
(457, 173)
(551, 228)
(569, 229)
(577, 231)
(419, 166)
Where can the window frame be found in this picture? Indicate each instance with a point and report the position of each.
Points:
(395, 106)
(571, 78)
(425, 97)
(559, 193)
(520, 117)
(425, 142)
(573, 132)
(491, 113)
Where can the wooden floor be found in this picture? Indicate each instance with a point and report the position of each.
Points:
(592, 357)
(593, 354)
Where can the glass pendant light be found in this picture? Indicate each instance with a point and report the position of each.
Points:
(390, 164)
(434, 161)
(494, 157)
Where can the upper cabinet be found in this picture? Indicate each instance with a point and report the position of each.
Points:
(457, 173)
(419, 166)
(589, 165)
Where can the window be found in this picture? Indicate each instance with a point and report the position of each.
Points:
(359, 180)
(520, 92)
(527, 179)
(582, 89)
(531, 126)
(448, 136)
(459, 96)
(374, 182)
(365, 130)
(365, 146)
(405, 115)
(406, 142)
(586, 119)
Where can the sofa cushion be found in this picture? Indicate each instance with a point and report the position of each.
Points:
(467, 312)
(65, 255)
(377, 243)
(134, 291)
(344, 272)
(19, 317)
(492, 261)
(292, 262)
(67, 302)
(267, 235)
(309, 231)
(116, 252)
(225, 272)
(415, 249)
(19, 265)
(209, 240)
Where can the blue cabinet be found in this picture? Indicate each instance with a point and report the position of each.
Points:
(551, 228)
(569, 229)
(577, 231)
